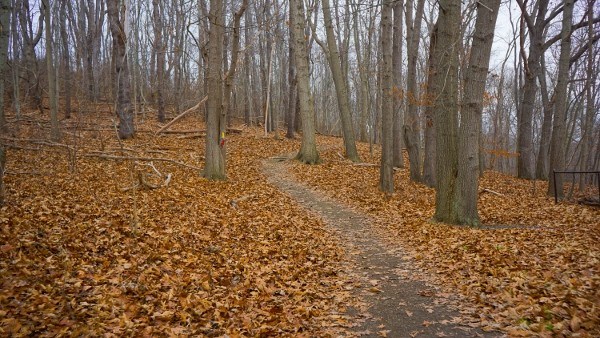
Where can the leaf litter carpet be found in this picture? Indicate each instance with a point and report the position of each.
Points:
(85, 250)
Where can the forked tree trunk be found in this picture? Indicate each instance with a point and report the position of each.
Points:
(386, 173)
(124, 110)
(557, 145)
(214, 167)
(308, 149)
(467, 181)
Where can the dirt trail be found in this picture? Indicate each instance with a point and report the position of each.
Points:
(398, 305)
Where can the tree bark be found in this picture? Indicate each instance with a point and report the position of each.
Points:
(412, 131)
(557, 144)
(52, 92)
(308, 150)
(126, 129)
(467, 181)
(5, 9)
(525, 168)
(292, 87)
(341, 86)
(429, 177)
(398, 87)
(159, 51)
(386, 173)
(214, 168)
(446, 109)
(66, 57)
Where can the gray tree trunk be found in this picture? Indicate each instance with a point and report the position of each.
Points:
(386, 173)
(235, 51)
(214, 168)
(557, 145)
(341, 85)
(525, 168)
(126, 129)
(429, 177)
(159, 51)
(292, 87)
(66, 52)
(5, 10)
(542, 164)
(52, 92)
(446, 109)
(412, 130)
(586, 138)
(30, 40)
(467, 181)
(398, 86)
(308, 150)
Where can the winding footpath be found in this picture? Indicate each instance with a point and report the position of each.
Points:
(397, 304)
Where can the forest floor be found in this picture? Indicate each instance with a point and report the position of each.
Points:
(100, 237)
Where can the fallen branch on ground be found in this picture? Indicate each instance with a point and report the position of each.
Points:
(178, 117)
(491, 192)
(137, 158)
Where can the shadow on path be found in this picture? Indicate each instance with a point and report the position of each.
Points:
(397, 304)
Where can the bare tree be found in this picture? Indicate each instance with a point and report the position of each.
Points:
(397, 89)
(66, 56)
(4, 36)
(214, 168)
(308, 150)
(52, 92)
(116, 17)
(386, 173)
(557, 145)
(159, 50)
(470, 119)
(340, 83)
(412, 131)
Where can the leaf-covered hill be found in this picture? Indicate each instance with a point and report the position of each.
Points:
(533, 270)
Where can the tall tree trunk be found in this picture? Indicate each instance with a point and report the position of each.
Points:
(214, 168)
(429, 177)
(308, 150)
(412, 131)
(124, 110)
(292, 88)
(541, 166)
(341, 86)
(52, 92)
(467, 181)
(66, 57)
(397, 91)
(586, 138)
(235, 51)
(30, 40)
(557, 145)
(446, 109)
(4, 37)
(386, 173)
(525, 168)
(248, 113)
(159, 50)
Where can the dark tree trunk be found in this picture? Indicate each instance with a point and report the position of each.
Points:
(126, 128)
